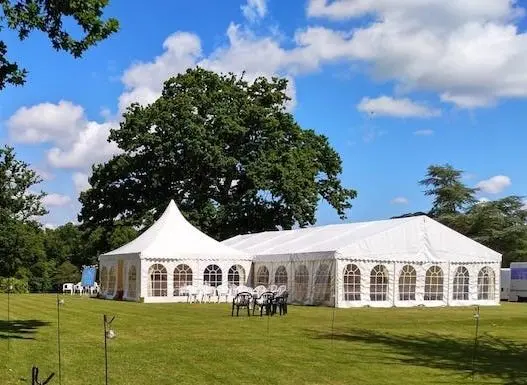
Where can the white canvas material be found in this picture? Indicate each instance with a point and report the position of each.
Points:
(413, 261)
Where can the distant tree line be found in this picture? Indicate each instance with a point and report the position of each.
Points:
(37, 258)
(499, 224)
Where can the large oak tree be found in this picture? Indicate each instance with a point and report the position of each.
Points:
(226, 150)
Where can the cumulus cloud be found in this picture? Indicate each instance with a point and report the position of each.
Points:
(80, 181)
(399, 201)
(254, 10)
(51, 200)
(46, 122)
(471, 52)
(424, 132)
(494, 185)
(398, 108)
(90, 146)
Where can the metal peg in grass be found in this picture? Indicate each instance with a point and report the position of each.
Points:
(60, 302)
(476, 317)
(109, 333)
(35, 380)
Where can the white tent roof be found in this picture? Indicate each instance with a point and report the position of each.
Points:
(172, 236)
(413, 239)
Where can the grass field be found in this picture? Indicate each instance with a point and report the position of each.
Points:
(202, 344)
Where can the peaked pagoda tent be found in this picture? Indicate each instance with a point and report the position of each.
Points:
(399, 262)
(169, 255)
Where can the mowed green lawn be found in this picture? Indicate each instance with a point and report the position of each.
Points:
(202, 344)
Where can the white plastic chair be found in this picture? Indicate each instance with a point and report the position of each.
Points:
(273, 288)
(192, 293)
(223, 291)
(259, 290)
(207, 292)
(78, 288)
(281, 289)
(68, 287)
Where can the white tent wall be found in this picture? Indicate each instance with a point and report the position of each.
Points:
(489, 293)
(110, 287)
(398, 296)
(309, 281)
(198, 270)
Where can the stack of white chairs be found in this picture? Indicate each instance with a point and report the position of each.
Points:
(68, 287)
(207, 292)
(281, 290)
(78, 288)
(223, 292)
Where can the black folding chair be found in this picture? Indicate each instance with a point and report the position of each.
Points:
(242, 299)
(280, 302)
(265, 301)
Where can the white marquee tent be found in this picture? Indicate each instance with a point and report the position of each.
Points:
(168, 256)
(398, 262)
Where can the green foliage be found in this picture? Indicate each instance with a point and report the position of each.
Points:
(17, 201)
(120, 236)
(49, 17)
(65, 244)
(500, 225)
(451, 196)
(226, 151)
(67, 273)
(13, 285)
(41, 280)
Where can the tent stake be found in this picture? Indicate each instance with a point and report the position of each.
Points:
(333, 325)
(476, 316)
(58, 338)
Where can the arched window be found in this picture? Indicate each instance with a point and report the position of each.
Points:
(486, 283)
(213, 275)
(379, 283)
(351, 283)
(236, 275)
(104, 279)
(323, 288)
(280, 276)
(434, 284)
(112, 279)
(407, 281)
(157, 285)
(461, 284)
(262, 276)
(132, 282)
(301, 283)
(182, 277)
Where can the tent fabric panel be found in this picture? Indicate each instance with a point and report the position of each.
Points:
(172, 236)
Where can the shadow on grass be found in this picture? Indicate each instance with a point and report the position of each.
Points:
(20, 329)
(496, 358)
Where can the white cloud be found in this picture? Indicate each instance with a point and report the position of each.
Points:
(90, 146)
(471, 52)
(483, 200)
(56, 200)
(424, 132)
(494, 185)
(144, 81)
(243, 53)
(80, 181)
(254, 10)
(399, 201)
(50, 226)
(46, 122)
(399, 108)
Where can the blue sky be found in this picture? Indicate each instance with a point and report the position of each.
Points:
(394, 88)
